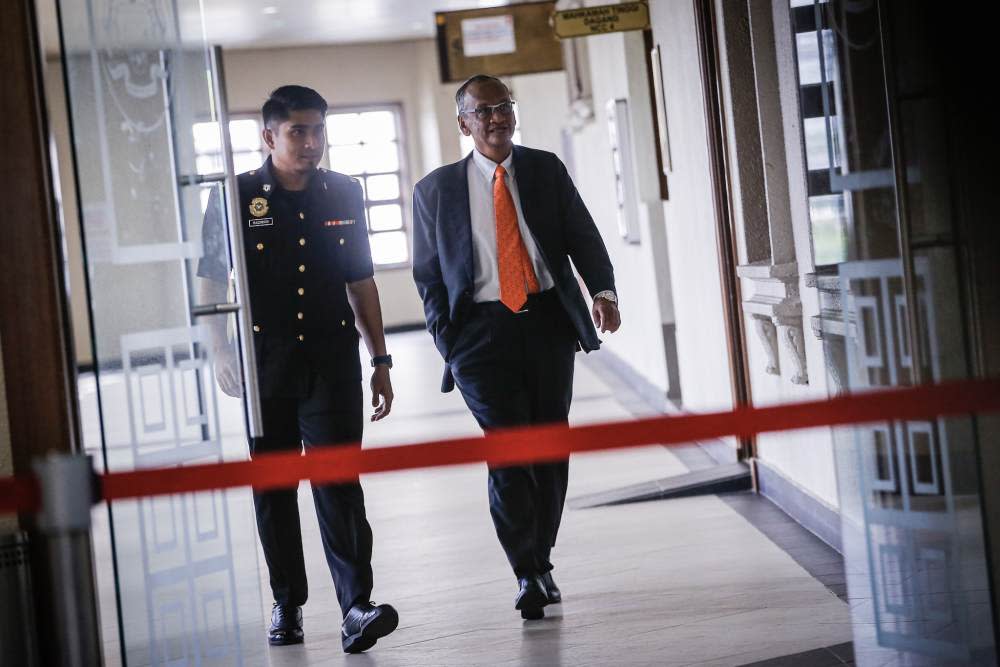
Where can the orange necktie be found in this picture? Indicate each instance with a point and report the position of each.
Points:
(517, 275)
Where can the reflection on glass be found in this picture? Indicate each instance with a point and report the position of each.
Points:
(383, 187)
(389, 248)
(385, 218)
(828, 229)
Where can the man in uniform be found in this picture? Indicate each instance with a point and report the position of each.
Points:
(493, 238)
(312, 290)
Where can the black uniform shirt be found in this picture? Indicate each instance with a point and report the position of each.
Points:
(301, 249)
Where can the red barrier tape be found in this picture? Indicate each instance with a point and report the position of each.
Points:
(531, 444)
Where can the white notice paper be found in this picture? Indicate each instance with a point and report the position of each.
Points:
(488, 36)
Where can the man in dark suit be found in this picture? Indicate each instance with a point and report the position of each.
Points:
(493, 238)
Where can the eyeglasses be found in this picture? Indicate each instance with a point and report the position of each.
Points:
(486, 111)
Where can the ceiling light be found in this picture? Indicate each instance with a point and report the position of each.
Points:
(270, 10)
(492, 3)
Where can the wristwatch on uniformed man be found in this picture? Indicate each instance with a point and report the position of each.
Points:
(383, 359)
(607, 295)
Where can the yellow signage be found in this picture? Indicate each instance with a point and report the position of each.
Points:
(587, 21)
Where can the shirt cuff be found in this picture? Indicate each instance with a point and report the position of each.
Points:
(607, 293)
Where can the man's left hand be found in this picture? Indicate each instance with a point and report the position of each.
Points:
(606, 315)
(381, 387)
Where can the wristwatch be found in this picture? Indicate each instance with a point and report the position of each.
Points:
(607, 295)
(384, 359)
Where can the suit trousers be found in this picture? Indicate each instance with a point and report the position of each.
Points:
(329, 414)
(516, 369)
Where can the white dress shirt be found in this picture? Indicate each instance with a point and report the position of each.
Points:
(486, 274)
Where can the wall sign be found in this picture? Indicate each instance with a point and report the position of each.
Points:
(587, 21)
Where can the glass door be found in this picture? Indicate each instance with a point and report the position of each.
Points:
(881, 186)
(178, 576)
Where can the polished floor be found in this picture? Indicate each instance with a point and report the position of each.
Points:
(679, 582)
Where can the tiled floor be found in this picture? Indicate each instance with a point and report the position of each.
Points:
(680, 582)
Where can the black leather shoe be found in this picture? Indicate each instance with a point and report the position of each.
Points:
(286, 625)
(531, 598)
(365, 624)
(551, 590)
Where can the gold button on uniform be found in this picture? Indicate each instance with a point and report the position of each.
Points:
(260, 246)
(342, 241)
(256, 328)
(301, 291)
(343, 323)
(302, 216)
(300, 315)
(301, 337)
(302, 268)
(302, 241)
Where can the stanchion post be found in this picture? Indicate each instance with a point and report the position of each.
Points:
(67, 487)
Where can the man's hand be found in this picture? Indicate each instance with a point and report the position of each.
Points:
(381, 386)
(606, 315)
(227, 371)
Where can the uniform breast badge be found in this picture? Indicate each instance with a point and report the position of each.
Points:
(258, 207)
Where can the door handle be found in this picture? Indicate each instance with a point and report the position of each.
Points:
(214, 309)
(251, 392)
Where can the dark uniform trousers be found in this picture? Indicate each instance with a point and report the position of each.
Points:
(327, 415)
(302, 249)
(516, 369)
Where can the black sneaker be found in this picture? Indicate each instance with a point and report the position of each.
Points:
(365, 624)
(286, 625)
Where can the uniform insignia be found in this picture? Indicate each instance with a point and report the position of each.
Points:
(258, 207)
(267, 187)
(338, 223)
(261, 222)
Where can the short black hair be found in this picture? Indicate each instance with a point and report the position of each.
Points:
(287, 99)
(476, 78)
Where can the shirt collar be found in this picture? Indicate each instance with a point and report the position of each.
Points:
(488, 167)
(270, 184)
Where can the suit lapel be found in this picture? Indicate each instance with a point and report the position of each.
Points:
(525, 189)
(528, 195)
(459, 217)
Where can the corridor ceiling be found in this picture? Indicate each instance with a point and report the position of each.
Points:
(246, 24)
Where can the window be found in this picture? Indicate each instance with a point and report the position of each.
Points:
(248, 148)
(366, 144)
(248, 145)
(819, 75)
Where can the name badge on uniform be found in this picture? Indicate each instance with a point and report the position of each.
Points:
(261, 222)
(338, 223)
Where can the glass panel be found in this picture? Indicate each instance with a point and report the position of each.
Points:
(343, 129)
(909, 490)
(180, 581)
(381, 157)
(389, 248)
(206, 138)
(347, 159)
(385, 218)
(209, 164)
(829, 238)
(383, 187)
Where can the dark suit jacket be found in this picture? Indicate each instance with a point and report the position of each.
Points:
(559, 223)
